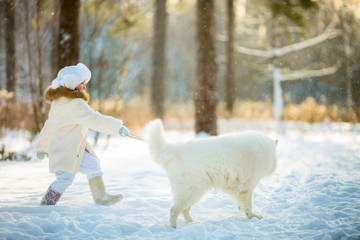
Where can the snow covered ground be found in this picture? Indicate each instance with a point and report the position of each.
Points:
(314, 193)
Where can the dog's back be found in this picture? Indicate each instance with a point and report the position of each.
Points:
(230, 159)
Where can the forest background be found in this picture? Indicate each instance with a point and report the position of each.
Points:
(185, 59)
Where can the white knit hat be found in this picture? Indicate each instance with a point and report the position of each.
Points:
(71, 76)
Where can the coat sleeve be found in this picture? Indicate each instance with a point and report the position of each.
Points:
(84, 115)
(43, 139)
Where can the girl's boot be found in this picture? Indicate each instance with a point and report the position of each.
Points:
(99, 194)
(51, 197)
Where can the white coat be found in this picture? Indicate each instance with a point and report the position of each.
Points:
(64, 135)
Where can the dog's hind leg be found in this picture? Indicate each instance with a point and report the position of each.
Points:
(244, 202)
(186, 214)
(182, 203)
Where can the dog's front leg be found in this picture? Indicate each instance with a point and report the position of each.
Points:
(244, 202)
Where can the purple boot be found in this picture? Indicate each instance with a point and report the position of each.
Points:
(51, 197)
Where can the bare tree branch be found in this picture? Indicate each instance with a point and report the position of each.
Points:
(329, 33)
(310, 73)
(307, 43)
(254, 52)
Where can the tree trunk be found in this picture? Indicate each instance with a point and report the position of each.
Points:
(55, 37)
(230, 67)
(68, 38)
(34, 99)
(205, 98)
(40, 97)
(356, 91)
(2, 44)
(9, 7)
(278, 100)
(159, 45)
(345, 20)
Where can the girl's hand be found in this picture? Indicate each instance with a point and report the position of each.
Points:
(124, 131)
(40, 155)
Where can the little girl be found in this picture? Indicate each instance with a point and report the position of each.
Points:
(64, 136)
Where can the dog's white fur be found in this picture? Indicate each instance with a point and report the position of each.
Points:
(232, 163)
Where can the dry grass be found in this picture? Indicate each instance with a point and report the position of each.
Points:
(16, 115)
(310, 111)
(246, 109)
(137, 113)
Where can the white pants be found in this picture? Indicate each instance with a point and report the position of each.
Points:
(89, 166)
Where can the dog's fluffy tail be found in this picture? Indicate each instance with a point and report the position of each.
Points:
(155, 137)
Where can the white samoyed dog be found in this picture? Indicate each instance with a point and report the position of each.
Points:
(233, 163)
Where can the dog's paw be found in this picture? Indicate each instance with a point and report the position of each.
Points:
(173, 222)
(252, 215)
